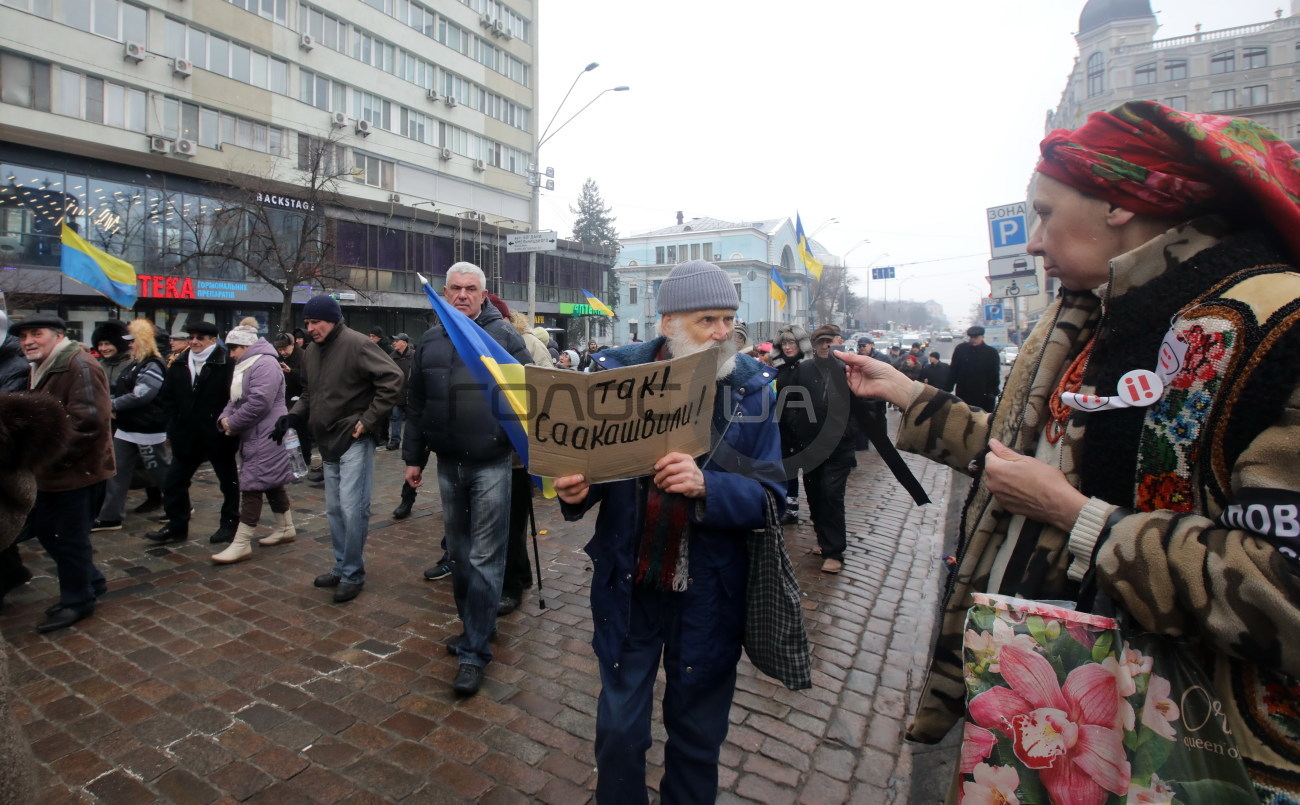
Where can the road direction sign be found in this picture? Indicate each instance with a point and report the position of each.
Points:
(531, 242)
(1013, 287)
(1008, 229)
(1004, 266)
(993, 312)
(882, 273)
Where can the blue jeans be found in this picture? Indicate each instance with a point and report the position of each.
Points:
(476, 518)
(695, 711)
(395, 424)
(347, 505)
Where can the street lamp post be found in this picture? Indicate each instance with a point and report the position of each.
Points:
(534, 178)
(844, 281)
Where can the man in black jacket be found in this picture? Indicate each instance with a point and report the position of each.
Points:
(976, 371)
(825, 430)
(195, 389)
(937, 373)
(448, 415)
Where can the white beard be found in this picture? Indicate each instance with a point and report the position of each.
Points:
(680, 346)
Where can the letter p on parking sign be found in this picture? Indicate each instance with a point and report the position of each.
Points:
(1008, 230)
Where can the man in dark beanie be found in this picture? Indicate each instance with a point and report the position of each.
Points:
(350, 385)
(70, 489)
(690, 520)
(976, 371)
(195, 389)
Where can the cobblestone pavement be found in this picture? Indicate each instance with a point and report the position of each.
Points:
(195, 683)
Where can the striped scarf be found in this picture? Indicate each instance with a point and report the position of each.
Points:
(663, 557)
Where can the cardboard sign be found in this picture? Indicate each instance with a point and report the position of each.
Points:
(617, 423)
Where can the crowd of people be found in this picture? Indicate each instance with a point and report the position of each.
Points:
(1174, 237)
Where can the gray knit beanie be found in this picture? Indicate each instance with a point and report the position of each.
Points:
(697, 285)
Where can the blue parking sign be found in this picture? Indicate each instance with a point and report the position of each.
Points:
(992, 311)
(1008, 229)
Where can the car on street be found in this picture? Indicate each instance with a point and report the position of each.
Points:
(945, 337)
(1009, 354)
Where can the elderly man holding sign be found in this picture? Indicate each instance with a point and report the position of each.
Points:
(669, 556)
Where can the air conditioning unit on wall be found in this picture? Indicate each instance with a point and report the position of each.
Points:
(186, 148)
(444, 153)
(183, 68)
(160, 145)
(339, 120)
(306, 42)
(133, 51)
(433, 95)
(480, 165)
(363, 128)
(450, 100)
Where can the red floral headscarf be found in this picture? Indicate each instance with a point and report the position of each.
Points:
(1153, 160)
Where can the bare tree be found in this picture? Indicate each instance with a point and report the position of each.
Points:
(275, 229)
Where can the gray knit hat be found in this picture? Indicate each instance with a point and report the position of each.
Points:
(697, 285)
(241, 336)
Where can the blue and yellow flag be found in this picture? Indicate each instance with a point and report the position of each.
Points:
(777, 290)
(596, 304)
(805, 250)
(104, 273)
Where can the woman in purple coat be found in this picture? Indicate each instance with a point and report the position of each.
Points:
(256, 402)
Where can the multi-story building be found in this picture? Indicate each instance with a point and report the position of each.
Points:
(748, 251)
(409, 123)
(1248, 71)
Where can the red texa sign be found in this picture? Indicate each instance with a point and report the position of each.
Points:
(156, 287)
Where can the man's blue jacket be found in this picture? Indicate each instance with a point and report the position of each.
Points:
(737, 478)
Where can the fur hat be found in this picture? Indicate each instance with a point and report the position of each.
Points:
(797, 335)
(114, 332)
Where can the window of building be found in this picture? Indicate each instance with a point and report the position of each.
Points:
(707, 250)
(231, 59)
(373, 171)
(672, 255)
(24, 82)
(1175, 69)
(277, 10)
(632, 331)
(659, 255)
(695, 251)
(318, 156)
(1096, 74)
(99, 101)
(326, 29)
(41, 8)
(1255, 96)
(1178, 102)
(110, 18)
(1297, 51)
(737, 286)
(1223, 99)
(371, 107)
(1224, 62)
(1254, 57)
(631, 295)
(1145, 73)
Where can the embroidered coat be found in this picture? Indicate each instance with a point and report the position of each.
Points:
(1227, 423)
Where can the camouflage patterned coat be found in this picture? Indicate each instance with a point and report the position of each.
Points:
(1226, 427)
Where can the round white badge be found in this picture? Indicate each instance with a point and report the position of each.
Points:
(1140, 387)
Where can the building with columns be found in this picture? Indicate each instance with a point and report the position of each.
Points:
(747, 250)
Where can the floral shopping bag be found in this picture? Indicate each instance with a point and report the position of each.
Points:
(1067, 708)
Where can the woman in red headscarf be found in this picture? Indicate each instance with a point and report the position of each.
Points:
(1156, 401)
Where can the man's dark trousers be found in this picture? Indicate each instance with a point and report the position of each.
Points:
(825, 487)
(62, 522)
(176, 491)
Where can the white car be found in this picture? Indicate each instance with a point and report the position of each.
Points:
(1009, 354)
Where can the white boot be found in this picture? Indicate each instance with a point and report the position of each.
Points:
(283, 531)
(239, 548)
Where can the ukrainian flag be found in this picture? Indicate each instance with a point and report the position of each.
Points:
(596, 304)
(805, 250)
(104, 273)
(777, 290)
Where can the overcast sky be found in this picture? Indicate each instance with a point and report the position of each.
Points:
(902, 120)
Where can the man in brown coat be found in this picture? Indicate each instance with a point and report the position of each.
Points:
(69, 490)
